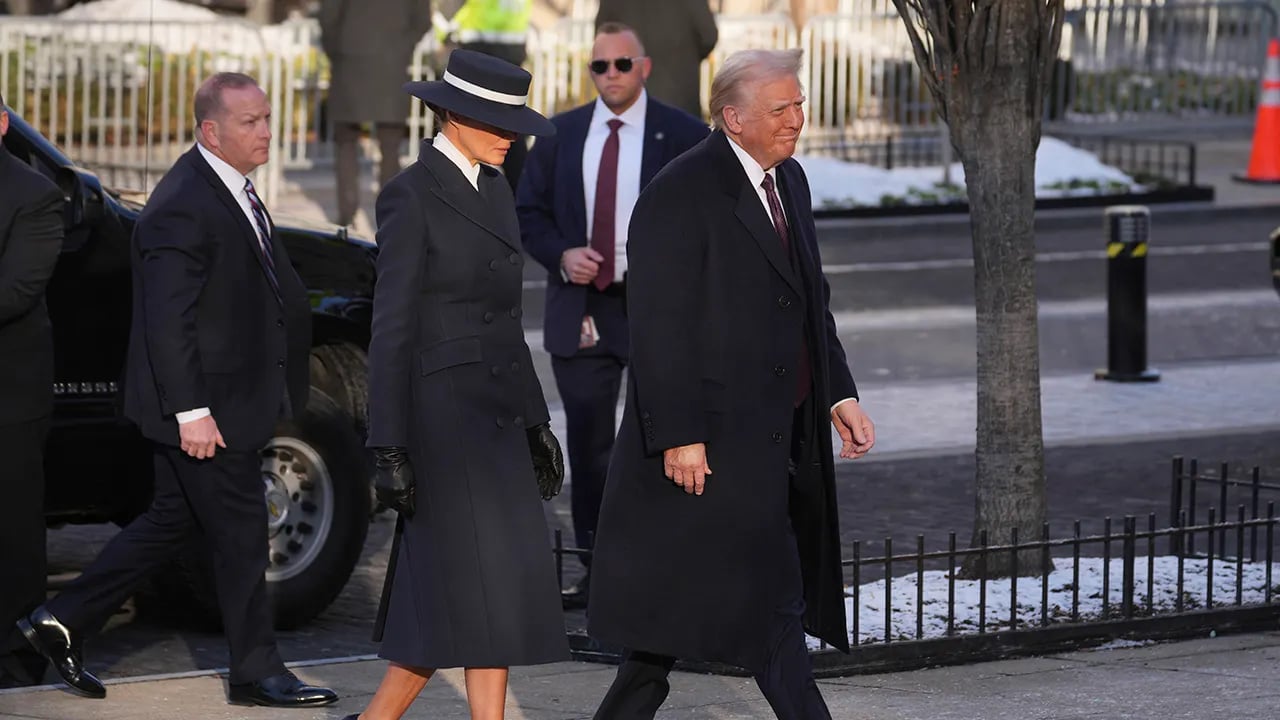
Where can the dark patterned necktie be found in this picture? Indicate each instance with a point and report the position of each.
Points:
(805, 374)
(264, 237)
(603, 228)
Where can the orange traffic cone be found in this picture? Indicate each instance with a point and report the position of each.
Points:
(1264, 162)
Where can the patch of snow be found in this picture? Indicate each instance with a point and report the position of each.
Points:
(1121, 644)
(177, 27)
(138, 11)
(1164, 587)
(837, 183)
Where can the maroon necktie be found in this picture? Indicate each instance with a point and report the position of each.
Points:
(804, 376)
(602, 222)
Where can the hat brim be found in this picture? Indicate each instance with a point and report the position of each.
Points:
(519, 119)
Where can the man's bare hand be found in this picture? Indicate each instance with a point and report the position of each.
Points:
(200, 438)
(687, 466)
(581, 264)
(855, 428)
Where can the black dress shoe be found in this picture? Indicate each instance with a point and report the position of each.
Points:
(283, 690)
(53, 640)
(575, 596)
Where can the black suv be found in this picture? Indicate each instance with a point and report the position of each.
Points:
(315, 472)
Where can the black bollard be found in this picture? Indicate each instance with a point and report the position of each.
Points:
(1127, 228)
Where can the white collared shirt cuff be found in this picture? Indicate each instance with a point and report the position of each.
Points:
(187, 416)
(833, 407)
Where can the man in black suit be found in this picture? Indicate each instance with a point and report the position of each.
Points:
(574, 204)
(718, 531)
(217, 353)
(30, 239)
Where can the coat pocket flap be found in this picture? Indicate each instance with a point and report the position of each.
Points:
(448, 353)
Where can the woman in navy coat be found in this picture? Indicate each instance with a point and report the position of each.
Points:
(457, 417)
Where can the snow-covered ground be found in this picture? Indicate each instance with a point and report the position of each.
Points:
(835, 183)
(871, 601)
(177, 27)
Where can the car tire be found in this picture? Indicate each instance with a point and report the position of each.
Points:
(316, 486)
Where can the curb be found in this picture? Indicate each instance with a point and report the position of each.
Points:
(853, 229)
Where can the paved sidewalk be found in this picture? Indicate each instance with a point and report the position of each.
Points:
(1236, 676)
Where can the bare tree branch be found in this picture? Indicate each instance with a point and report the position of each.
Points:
(912, 14)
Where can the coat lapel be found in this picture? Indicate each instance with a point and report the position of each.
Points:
(570, 172)
(803, 234)
(655, 143)
(751, 213)
(501, 206)
(237, 213)
(455, 190)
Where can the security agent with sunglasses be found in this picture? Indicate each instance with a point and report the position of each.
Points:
(574, 204)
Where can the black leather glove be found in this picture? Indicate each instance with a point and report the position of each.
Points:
(548, 462)
(393, 479)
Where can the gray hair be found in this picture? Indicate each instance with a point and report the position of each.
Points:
(208, 101)
(749, 67)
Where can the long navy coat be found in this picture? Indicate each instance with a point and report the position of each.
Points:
(717, 315)
(450, 377)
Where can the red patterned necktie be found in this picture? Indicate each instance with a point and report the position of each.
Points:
(602, 221)
(804, 376)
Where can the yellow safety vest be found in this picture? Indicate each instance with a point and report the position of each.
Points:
(500, 21)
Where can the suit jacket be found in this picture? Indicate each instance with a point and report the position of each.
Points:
(207, 330)
(718, 312)
(677, 36)
(370, 46)
(552, 207)
(30, 240)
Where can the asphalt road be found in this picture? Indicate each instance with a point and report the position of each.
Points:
(904, 303)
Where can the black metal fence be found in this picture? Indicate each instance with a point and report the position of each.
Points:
(1085, 590)
(1163, 164)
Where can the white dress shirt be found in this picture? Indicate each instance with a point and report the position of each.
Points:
(755, 174)
(234, 181)
(630, 152)
(469, 169)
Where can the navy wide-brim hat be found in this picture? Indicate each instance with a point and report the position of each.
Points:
(487, 89)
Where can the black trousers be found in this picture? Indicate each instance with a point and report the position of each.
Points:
(347, 163)
(22, 540)
(786, 680)
(223, 497)
(589, 383)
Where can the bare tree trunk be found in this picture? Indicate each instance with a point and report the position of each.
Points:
(1009, 484)
(986, 63)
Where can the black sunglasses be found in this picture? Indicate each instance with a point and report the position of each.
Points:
(624, 65)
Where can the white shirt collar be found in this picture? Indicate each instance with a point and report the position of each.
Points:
(633, 116)
(230, 176)
(469, 170)
(755, 173)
